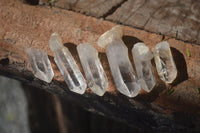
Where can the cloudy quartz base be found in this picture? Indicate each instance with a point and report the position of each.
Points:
(96, 77)
(40, 64)
(67, 65)
(164, 62)
(142, 60)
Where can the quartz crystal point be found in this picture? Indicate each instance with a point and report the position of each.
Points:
(164, 62)
(67, 65)
(40, 64)
(142, 59)
(96, 77)
(117, 53)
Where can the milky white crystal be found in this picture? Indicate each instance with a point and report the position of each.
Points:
(164, 62)
(40, 64)
(115, 33)
(117, 53)
(142, 60)
(67, 65)
(96, 77)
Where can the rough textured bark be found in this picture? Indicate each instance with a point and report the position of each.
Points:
(50, 113)
(177, 18)
(42, 111)
(23, 25)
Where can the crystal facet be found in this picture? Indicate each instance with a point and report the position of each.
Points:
(117, 53)
(67, 65)
(96, 77)
(164, 62)
(142, 60)
(40, 64)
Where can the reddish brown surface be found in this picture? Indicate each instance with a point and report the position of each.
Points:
(176, 18)
(24, 25)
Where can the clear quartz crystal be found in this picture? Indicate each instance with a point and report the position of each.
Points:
(164, 62)
(96, 77)
(67, 65)
(142, 60)
(117, 53)
(40, 64)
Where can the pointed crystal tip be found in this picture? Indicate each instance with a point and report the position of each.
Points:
(96, 77)
(55, 42)
(79, 89)
(40, 64)
(130, 89)
(115, 33)
(99, 90)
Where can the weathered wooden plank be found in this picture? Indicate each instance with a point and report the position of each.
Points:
(97, 8)
(177, 18)
(23, 25)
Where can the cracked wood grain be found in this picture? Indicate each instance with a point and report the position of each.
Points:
(178, 18)
(97, 8)
(23, 25)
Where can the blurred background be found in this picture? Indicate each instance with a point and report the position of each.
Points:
(24, 109)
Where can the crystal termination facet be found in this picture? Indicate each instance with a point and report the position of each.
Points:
(67, 65)
(96, 77)
(142, 60)
(40, 64)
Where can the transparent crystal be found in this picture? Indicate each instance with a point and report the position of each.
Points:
(164, 62)
(96, 77)
(122, 71)
(67, 65)
(40, 64)
(142, 60)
